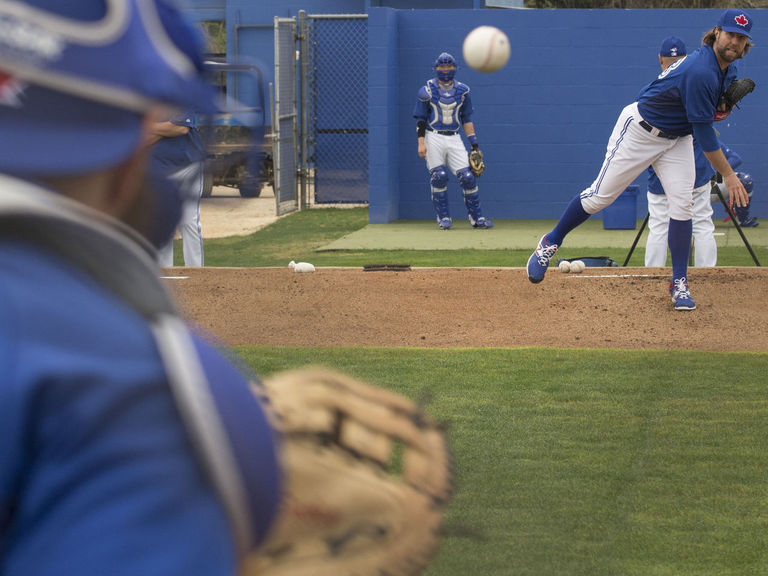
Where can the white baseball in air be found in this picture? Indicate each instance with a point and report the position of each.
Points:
(564, 266)
(486, 49)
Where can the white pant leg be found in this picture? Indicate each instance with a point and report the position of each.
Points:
(190, 179)
(437, 149)
(165, 255)
(457, 154)
(676, 169)
(705, 247)
(658, 230)
(631, 149)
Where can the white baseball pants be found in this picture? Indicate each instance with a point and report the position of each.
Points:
(631, 149)
(705, 247)
(190, 179)
(445, 150)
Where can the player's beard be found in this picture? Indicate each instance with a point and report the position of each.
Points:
(728, 53)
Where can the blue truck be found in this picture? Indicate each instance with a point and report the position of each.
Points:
(239, 150)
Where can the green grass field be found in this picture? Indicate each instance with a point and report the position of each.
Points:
(573, 462)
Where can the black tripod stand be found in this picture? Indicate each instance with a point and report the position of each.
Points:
(715, 189)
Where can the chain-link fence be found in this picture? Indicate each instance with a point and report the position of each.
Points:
(284, 123)
(337, 107)
(320, 129)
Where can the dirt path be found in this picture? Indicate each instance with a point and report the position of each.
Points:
(225, 213)
(450, 307)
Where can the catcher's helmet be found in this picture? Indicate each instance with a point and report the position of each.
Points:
(445, 59)
(746, 180)
(77, 77)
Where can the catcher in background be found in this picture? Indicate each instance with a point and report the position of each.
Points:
(443, 107)
(741, 212)
(128, 444)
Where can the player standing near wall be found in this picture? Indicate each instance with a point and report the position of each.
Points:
(658, 130)
(178, 150)
(443, 107)
(673, 49)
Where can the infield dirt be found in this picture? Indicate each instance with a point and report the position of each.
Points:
(466, 307)
(462, 307)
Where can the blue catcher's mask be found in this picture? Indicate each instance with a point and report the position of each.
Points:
(78, 78)
(445, 59)
(746, 181)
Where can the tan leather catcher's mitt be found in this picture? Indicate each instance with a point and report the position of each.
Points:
(476, 163)
(368, 478)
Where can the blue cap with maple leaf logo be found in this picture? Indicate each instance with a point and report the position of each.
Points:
(672, 47)
(736, 21)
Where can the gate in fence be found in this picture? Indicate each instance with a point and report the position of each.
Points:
(320, 125)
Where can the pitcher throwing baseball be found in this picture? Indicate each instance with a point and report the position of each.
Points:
(658, 130)
(443, 107)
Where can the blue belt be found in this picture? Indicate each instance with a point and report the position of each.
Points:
(656, 131)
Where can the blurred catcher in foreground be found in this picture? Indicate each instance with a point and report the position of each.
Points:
(128, 444)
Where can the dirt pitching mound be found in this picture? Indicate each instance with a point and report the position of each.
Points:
(467, 307)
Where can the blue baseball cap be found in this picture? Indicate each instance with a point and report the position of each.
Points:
(672, 47)
(78, 77)
(736, 21)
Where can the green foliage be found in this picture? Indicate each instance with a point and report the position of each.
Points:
(586, 462)
(215, 36)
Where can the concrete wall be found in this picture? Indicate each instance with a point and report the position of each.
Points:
(544, 120)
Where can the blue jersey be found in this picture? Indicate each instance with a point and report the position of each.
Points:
(687, 92)
(98, 473)
(175, 153)
(443, 109)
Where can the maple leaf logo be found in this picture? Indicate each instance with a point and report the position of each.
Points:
(741, 20)
(11, 90)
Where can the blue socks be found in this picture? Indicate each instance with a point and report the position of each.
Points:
(680, 233)
(573, 216)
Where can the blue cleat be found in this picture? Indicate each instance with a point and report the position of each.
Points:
(481, 222)
(445, 224)
(539, 260)
(681, 295)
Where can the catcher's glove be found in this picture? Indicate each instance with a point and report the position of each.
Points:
(476, 163)
(368, 475)
(736, 90)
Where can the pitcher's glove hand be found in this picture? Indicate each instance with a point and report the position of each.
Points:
(476, 163)
(737, 89)
(368, 476)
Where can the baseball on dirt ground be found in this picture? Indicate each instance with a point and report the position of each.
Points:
(578, 266)
(564, 266)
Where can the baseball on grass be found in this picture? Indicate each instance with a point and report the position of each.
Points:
(486, 49)
(564, 266)
(578, 266)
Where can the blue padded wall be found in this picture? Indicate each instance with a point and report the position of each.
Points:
(544, 120)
